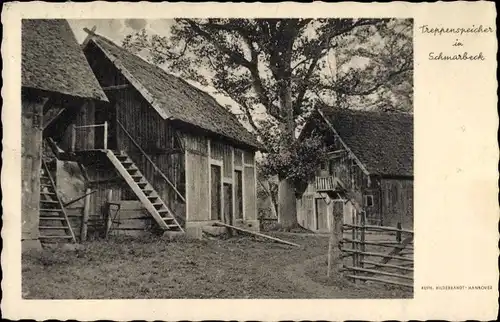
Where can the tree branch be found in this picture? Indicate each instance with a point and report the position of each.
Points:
(239, 59)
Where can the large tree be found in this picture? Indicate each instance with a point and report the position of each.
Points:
(276, 70)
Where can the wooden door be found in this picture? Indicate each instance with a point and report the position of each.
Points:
(238, 186)
(228, 203)
(321, 214)
(216, 198)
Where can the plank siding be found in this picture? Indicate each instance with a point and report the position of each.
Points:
(197, 187)
(250, 192)
(157, 139)
(31, 155)
(238, 157)
(153, 134)
(397, 202)
(217, 150)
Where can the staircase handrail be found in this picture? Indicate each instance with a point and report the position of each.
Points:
(151, 162)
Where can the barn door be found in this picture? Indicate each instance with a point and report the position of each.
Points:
(321, 214)
(228, 203)
(216, 191)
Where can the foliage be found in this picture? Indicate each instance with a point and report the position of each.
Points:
(299, 162)
(278, 70)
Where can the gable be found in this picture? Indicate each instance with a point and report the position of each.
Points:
(173, 97)
(383, 142)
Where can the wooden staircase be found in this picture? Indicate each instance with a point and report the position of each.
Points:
(54, 224)
(150, 199)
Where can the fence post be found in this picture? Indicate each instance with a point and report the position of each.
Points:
(354, 245)
(108, 218)
(362, 238)
(398, 233)
(105, 135)
(85, 218)
(73, 137)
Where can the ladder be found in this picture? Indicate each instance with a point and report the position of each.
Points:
(148, 196)
(54, 223)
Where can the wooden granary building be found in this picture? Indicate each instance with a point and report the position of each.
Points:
(369, 168)
(55, 75)
(157, 154)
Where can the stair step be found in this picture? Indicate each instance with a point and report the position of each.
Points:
(167, 218)
(52, 218)
(51, 210)
(53, 227)
(157, 204)
(142, 184)
(47, 193)
(46, 184)
(50, 237)
(49, 201)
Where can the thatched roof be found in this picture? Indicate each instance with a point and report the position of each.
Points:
(53, 61)
(173, 97)
(382, 141)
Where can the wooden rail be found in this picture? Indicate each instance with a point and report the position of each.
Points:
(325, 183)
(363, 246)
(155, 167)
(379, 228)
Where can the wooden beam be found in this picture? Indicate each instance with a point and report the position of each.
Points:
(257, 234)
(115, 87)
(396, 251)
(86, 215)
(78, 198)
(374, 279)
(90, 34)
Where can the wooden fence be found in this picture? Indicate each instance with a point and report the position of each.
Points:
(378, 253)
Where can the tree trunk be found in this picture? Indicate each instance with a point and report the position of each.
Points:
(267, 187)
(287, 204)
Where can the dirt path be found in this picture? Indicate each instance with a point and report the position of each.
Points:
(296, 274)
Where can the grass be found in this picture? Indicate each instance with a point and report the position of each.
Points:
(146, 268)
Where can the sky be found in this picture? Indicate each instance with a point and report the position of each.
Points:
(117, 29)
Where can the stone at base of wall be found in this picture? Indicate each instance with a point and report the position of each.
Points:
(30, 244)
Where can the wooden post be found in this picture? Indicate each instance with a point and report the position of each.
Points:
(330, 243)
(109, 199)
(73, 137)
(85, 218)
(398, 233)
(105, 135)
(354, 245)
(362, 238)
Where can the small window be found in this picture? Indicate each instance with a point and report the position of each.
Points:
(369, 201)
(323, 165)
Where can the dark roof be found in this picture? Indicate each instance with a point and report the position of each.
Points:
(382, 141)
(176, 98)
(53, 61)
